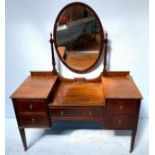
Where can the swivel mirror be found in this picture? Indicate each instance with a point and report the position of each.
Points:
(78, 37)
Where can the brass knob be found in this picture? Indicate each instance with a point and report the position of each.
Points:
(33, 120)
(90, 113)
(121, 107)
(30, 106)
(61, 112)
(119, 121)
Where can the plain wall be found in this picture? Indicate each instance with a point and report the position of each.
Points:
(29, 23)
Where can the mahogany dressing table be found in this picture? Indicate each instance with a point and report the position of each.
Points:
(111, 99)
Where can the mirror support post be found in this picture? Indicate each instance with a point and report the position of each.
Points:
(52, 53)
(105, 54)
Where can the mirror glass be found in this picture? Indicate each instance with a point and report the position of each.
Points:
(78, 37)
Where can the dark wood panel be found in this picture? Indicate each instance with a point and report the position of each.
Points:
(120, 122)
(33, 120)
(31, 113)
(31, 106)
(116, 73)
(123, 106)
(77, 112)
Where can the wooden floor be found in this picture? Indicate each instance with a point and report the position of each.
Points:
(81, 61)
(78, 94)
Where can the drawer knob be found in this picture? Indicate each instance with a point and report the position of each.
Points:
(121, 107)
(90, 113)
(119, 121)
(33, 120)
(30, 106)
(61, 112)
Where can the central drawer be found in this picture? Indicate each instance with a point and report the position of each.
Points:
(69, 112)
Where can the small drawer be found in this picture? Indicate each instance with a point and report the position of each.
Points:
(33, 120)
(76, 112)
(65, 112)
(122, 107)
(93, 112)
(30, 106)
(119, 122)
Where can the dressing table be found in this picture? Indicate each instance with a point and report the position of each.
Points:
(112, 99)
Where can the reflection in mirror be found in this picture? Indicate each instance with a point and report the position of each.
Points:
(78, 37)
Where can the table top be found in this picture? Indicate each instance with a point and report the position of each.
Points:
(37, 86)
(120, 87)
(79, 94)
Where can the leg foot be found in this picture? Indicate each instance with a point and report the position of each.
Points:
(132, 139)
(23, 137)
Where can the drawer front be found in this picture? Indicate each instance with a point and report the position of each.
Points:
(120, 122)
(30, 106)
(33, 120)
(122, 107)
(76, 112)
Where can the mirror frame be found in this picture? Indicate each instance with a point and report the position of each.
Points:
(101, 47)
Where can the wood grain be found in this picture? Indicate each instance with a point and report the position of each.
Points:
(81, 61)
(123, 106)
(111, 99)
(36, 86)
(120, 87)
(74, 93)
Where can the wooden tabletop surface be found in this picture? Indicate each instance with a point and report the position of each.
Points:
(35, 87)
(79, 94)
(39, 86)
(120, 87)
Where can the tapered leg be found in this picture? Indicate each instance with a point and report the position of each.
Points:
(133, 132)
(23, 137)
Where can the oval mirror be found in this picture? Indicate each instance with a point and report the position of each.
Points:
(78, 37)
